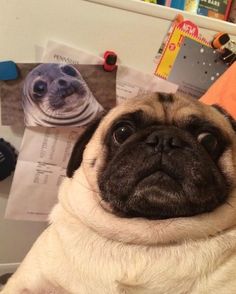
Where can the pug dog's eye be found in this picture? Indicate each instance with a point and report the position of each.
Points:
(122, 132)
(208, 140)
(69, 70)
(40, 88)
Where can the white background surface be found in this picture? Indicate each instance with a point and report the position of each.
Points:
(96, 28)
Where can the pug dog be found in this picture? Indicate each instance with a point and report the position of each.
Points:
(57, 95)
(148, 206)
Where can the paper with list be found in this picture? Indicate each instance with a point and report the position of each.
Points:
(45, 152)
(40, 169)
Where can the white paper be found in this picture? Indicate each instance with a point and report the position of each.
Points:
(41, 167)
(131, 82)
(60, 53)
(45, 151)
(39, 52)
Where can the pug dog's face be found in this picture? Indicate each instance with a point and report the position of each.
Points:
(161, 158)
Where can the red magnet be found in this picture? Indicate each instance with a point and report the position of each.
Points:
(110, 59)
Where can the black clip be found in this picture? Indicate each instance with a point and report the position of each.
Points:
(226, 46)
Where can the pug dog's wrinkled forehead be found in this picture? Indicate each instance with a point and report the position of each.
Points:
(168, 109)
(160, 108)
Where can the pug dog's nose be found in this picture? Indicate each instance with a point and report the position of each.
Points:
(63, 83)
(164, 141)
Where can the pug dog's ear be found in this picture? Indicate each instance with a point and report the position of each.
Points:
(78, 150)
(226, 114)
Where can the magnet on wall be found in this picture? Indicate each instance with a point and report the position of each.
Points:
(8, 71)
(110, 59)
(226, 47)
(8, 159)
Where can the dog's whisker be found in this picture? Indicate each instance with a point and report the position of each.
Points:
(95, 207)
(228, 203)
(88, 160)
(88, 188)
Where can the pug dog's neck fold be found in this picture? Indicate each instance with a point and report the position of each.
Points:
(82, 202)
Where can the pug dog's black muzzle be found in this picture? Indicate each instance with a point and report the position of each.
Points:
(161, 172)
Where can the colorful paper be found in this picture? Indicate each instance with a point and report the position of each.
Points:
(185, 28)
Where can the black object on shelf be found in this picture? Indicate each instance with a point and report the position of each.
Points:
(8, 159)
